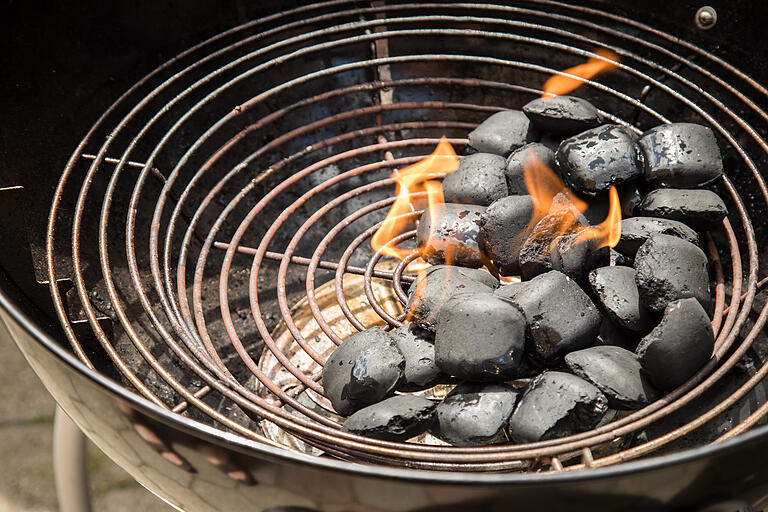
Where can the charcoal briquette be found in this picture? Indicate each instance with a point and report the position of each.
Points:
(667, 269)
(681, 155)
(565, 115)
(636, 230)
(501, 133)
(617, 295)
(526, 157)
(593, 161)
(616, 372)
(504, 226)
(629, 197)
(556, 404)
(560, 317)
(679, 346)
(480, 179)
(475, 414)
(451, 237)
(436, 284)
(617, 336)
(397, 418)
(363, 370)
(480, 337)
(701, 209)
(418, 348)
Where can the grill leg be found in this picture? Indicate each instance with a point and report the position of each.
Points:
(69, 469)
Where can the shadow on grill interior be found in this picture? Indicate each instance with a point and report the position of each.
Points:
(196, 229)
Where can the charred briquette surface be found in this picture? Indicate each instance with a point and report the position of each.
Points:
(592, 161)
(501, 133)
(667, 269)
(480, 180)
(556, 404)
(681, 155)
(480, 337)
(560, 317)
(679, 346)
(629, 197)
(636, 230)
(550, 246)
(525, 158)
(616, 372)
(700, 209)
(503, 229)
(436, 284)
(418, 348)
(475, 414)
(565, 115)
(617, 295)
(363, 370)
(398, 418)
(451, 237)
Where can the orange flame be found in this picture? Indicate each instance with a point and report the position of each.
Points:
(563, 84)
(544, 185)
(413, 180)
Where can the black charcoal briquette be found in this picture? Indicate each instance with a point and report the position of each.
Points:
(681, 155)
(363, 370)
(629, 197)
(616, 372)
(503, 229)
(612, 334)
(560, 317)
(418, 348)
(636, 230)
(554, 405)
(592, 161)
(679, 346)
(501, 133)
(617, 294)
(480, 179)
(436, 284)
(700, 209)
(565, 115)
(451, 237)
(398, 418)
(475, 414)
(526, 157)
(668, 268)
(480, 337)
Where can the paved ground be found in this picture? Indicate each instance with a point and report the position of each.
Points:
(26, 477)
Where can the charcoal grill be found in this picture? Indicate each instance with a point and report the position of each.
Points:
(215, 212)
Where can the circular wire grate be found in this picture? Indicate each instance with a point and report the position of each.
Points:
(223, 208)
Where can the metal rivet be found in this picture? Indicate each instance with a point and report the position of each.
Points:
(706, 17)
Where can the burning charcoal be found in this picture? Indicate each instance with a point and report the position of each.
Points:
(479, 180)
(681, 155)
(527, 157)
(418, 348)
(565, 115)
(679, 346)
(436, 284)
(668, 268)
(503, 229)
(560, 316)
(452, 236)
(614, 335)
(636, 230)
(475, 414)
(629, 197)
(479, 337)
(398, 418)
(700, 209)
(556, 404)
(617, 259)
(616, 372)
(363, 370)
(501, 133)
(594, 160)
(617, 294)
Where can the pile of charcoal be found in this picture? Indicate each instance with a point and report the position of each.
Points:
(588, 331)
